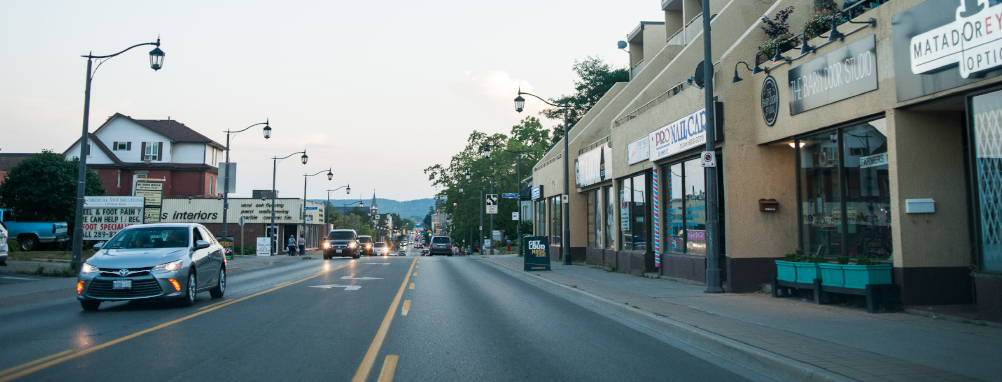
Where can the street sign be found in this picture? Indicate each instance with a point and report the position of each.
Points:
(492, 204)
(241, 221)
(514, 216)
(537, 256)
(263, 246)
(497, 235)
(509, 195)
(311, 208)
(709, 159)
(563, 199)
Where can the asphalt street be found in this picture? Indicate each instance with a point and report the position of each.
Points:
(387, 318)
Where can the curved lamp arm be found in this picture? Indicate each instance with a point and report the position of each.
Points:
(318, 173)
(126, 50)
(287, 156)
(248, 127)
(520, 92)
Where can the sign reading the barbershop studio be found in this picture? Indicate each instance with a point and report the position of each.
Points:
(846, 72)
(681, 135)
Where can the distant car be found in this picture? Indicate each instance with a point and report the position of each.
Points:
(365, 244)
(342, 242)
(441, 245)
(402, 252)
(380, 249)
(3, 244)
(154, 261)
(424, 252)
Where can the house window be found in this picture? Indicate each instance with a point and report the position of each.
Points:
(121, 146)
(152, 151)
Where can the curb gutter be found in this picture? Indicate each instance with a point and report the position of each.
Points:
(754, 358)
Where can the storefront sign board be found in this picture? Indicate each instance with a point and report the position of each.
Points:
(624, 216)
(594, 166)
(683, 134)
(931, 40)
(253, 211)
(638, 151)
(844, 73)
(153, 194)
(873, 160)
(263, 246)
(537, 256)
(770, 100)
(104, 216)
(537, 192)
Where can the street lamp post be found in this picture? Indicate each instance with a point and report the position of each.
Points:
(226, 171)
(274, 167)
(491, 177)
(327, 218)
(518, 189)
(330, 175)
(712, 248)
(566, 242)
(156, 62)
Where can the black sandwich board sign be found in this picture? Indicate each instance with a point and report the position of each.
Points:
(537, 256)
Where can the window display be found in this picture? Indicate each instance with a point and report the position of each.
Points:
(986, 138)
(634, 214)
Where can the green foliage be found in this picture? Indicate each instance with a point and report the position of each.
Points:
(865, 260)
(43, 187)
(595, 78)
(820, 24)
(529, 137)
(842, 260)
(13, 246)
(778, 25)
(794, 256)
(825, 6)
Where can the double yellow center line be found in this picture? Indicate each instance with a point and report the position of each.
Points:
(55, 359)
(362, 374)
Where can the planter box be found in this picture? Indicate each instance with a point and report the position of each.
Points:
(786, 271)
(858, 276)
(832, 275)
(807, 272)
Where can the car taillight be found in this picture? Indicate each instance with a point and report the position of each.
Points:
(53, 228)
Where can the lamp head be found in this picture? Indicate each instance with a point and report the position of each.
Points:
(330, 175)
(348, 190)
(157, 57)
(835, 34)
(806, 48)
(487, 151)
(467, 174)
(267, 130)
(519, 102)
(736, 79)
(304, 157)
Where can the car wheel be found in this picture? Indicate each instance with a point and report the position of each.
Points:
(189, 296)
(90, 305)
(28, 243)
(220, 288)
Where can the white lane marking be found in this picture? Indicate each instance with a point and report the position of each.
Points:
(360, 278)
(346, 287)
(378, 263)
(16, 278)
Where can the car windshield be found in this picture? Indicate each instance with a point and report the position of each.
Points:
(440, 240)
(160, 237)
(340, 235)
(380, 244)
(365, 239)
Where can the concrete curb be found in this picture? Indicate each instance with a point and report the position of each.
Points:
(754, 358)
(947, 317)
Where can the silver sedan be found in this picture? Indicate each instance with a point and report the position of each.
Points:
(154, 261)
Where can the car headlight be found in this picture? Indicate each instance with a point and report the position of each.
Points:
(368, 246)
(327, 245)
(169, 267)
(87, 268)
(351, 245)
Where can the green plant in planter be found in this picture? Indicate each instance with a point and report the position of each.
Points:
(842, 260)
(865, 260)
(778, 30)
(794, 257)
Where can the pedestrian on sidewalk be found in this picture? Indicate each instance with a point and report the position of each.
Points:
(291, 245)
(302, 244)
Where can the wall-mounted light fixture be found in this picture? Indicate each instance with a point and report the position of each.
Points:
(737, 79)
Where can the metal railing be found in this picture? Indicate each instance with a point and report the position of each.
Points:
(595, 144)
(636, 69)
(548, 161)
(650, 104)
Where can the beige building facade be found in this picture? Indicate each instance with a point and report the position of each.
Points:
(884, 143)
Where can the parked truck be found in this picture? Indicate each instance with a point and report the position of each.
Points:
(30, 235)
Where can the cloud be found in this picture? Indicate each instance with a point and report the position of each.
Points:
(494, 92)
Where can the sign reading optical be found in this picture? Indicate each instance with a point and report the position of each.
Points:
(770, 100)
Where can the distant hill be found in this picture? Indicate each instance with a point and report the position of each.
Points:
(415, 209)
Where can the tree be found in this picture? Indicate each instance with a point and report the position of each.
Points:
(43, 187)
(595, 79)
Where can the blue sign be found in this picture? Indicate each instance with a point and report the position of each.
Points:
(509, 195)
(537, 192)
(311, 208)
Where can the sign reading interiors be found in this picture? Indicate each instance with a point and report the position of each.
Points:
(182, 210)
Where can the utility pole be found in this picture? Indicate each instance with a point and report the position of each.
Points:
(713, 284)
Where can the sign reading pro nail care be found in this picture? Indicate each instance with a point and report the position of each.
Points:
(678, 136)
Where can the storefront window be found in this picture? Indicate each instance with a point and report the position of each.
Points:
(634, 214)
(541, 218)
(674, 210)
(556, 217)
(844, 172)
(610, 218)
(591, 195)
(987, 141)
(685, 208)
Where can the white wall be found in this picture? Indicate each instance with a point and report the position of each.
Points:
(188, 153)
(96, 155)
(124, 130)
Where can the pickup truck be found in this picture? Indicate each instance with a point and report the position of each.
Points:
(31, 234)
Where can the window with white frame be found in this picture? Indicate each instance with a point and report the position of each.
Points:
(152, 151)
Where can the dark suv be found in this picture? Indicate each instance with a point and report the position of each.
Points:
(342, 242)
(365, 244)
(440, 245)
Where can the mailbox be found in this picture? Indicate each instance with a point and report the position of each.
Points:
(768, 205)
(920, 206)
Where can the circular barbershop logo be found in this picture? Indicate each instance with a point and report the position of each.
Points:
(770, 100)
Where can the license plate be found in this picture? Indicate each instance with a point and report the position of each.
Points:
(339, 251)
(121, 284)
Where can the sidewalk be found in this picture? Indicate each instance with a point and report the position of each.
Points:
(809, 341)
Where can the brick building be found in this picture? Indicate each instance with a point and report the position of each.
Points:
(125, 149)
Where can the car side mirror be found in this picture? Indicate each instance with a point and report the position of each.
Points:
(99, 245)
(201, 244)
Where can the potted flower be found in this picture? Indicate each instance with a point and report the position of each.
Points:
(778, 31)
(834, 274)
(866, 271)
(785, 269)
(809, 269)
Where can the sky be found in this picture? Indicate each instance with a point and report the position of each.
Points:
(376, 90)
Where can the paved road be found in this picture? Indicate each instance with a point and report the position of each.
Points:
(417, 318)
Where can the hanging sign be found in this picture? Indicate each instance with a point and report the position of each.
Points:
(770, 100)
(681, 135)
(537, 192)
(104, 216)
(638, 151)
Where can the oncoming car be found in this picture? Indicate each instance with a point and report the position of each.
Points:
(342, 242)
(154, 261)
